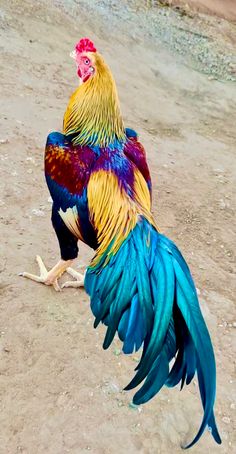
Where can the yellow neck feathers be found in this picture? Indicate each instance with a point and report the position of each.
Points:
(113, 213)
(93, 110)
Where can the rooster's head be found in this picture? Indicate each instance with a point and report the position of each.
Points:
(84, 56)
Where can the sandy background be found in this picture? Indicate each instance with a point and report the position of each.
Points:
(59, 392)
(221, 8)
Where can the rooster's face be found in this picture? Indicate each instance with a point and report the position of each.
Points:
(84, 59)
(85, 66)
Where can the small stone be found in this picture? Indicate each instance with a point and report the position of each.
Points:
(3, 141)
(112, 388)
(120, 403)
(38, 213)
(218, 170)
(28, 86)
(233, 406)
(30, 159)
(226, 420)
(222, 204)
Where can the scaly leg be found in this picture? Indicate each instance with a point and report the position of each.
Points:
(48, 277)
(79, 279)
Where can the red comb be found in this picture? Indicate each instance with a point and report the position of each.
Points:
(85, 45)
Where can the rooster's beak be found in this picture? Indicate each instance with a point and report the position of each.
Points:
(73, 54)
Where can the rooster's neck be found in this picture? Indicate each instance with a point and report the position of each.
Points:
(93, 114)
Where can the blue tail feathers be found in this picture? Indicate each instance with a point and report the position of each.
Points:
(147, 295)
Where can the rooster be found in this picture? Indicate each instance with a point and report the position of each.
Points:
(139, 284)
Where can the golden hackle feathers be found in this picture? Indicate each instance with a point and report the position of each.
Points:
(112, 212)
(93, 110)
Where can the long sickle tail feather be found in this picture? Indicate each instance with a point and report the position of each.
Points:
(146, 294)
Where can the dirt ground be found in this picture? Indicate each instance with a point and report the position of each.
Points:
(221, 8)
(59, 391)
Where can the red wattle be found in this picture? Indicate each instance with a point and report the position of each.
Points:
(86, 77)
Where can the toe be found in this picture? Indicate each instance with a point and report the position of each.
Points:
(42, 268)
(33, 277)
(73, 284)
(75, 274)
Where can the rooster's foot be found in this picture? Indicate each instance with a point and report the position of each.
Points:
(79, 279)
(46, 277)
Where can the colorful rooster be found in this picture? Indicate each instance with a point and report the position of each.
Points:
(139, 284)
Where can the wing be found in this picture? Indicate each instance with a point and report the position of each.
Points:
(135, 152)
(67, 171)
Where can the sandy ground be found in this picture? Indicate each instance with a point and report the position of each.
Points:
(221, 8)
(59, 391)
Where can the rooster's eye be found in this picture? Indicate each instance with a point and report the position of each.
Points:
(86, 61)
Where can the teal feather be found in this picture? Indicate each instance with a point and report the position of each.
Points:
(159, 372)
(163, 311)
(185, 362)
(155, 380)
(125, 290)
(190, 359)
(177, 370)
(211, 420)
(190, 310)
(123, 325)
(142, 277)
(135, 329)
(114, 286)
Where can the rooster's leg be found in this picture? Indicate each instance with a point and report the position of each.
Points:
(79, 279)
(48, 277)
